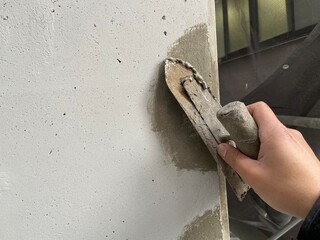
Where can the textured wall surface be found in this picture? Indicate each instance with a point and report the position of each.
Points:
(79, 155)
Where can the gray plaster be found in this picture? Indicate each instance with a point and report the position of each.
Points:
(205, 227)
(194, 47)
(196, 74)
(178, 136)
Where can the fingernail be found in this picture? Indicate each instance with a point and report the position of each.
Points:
(222, 150)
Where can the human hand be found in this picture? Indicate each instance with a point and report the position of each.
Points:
(286, 174)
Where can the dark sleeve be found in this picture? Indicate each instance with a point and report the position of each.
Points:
(310, 228)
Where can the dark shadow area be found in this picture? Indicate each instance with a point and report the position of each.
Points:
(294, 88)
(241, 76)
(268, 53)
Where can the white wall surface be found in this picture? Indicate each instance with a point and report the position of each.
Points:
(78, 157)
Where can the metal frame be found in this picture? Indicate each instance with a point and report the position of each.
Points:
(255, 44)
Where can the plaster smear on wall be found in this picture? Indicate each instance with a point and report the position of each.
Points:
(203, 227)
(194, 48)
(182, 143)
(178, 137)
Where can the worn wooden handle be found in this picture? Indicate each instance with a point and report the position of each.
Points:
(236, 118)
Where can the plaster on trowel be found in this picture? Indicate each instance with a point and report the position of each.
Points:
(201, 107)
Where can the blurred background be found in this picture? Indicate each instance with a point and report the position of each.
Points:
(269, 50)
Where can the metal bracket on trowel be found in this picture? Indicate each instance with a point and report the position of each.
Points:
(201, 107)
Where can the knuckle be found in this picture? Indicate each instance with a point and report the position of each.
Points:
(261, 104)
(295, 132)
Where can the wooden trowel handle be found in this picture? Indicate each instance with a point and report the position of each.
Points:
(237, 120)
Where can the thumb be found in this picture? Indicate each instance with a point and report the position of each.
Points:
(246, 167)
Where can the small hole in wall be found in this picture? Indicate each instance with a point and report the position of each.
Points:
(165, 33)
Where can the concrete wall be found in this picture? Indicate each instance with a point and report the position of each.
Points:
(84, 152)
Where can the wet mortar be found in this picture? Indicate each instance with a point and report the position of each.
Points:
(205, 227)
(177, 135)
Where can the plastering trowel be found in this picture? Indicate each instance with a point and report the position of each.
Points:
(201, 107)
(216, 124)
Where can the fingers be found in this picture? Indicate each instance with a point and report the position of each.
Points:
(263, 115)
(246, 167)
(267, 122)
(269, 126)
